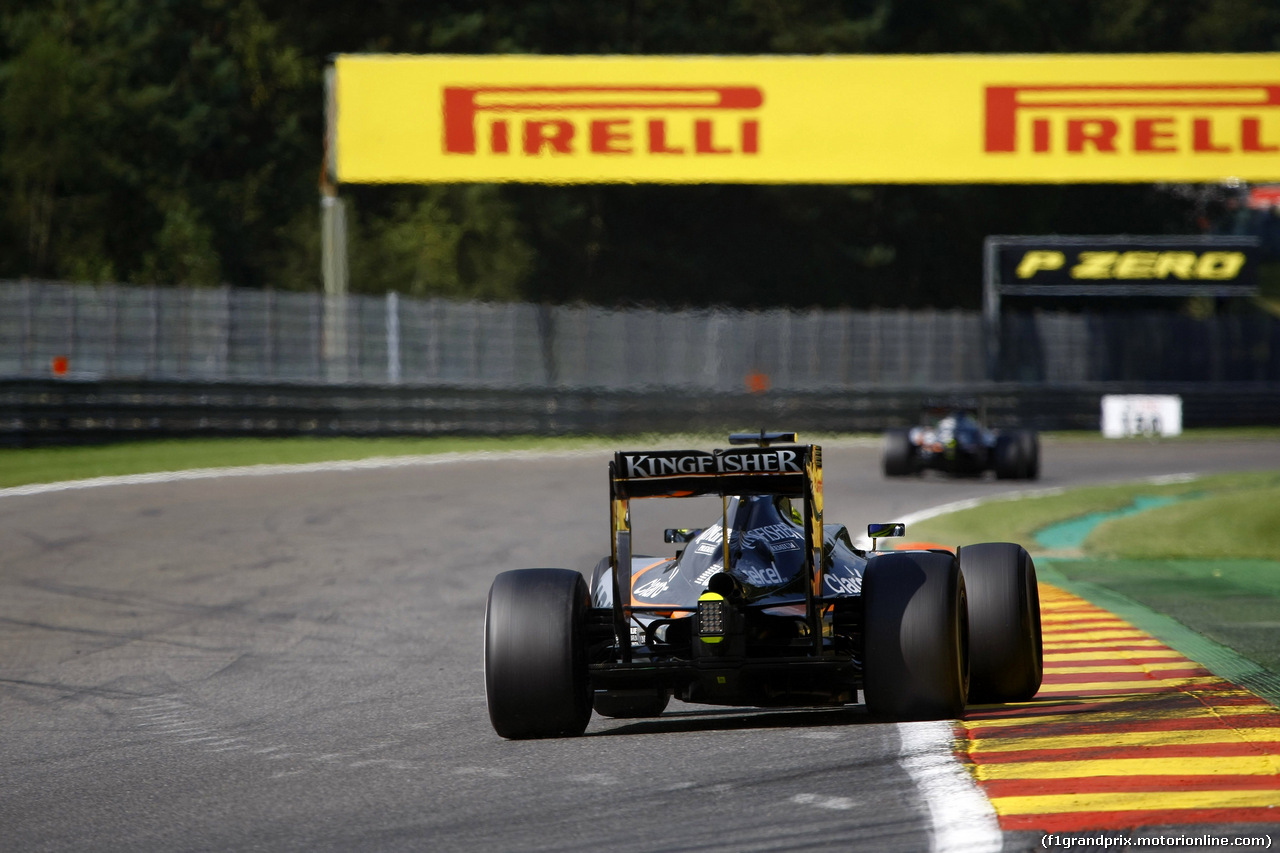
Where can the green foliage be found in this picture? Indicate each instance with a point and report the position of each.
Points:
(454, 241)
(42, 106)
(172, 140)
(179, 141)
(183, 250)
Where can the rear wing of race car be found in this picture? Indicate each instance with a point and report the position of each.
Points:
(788, 470)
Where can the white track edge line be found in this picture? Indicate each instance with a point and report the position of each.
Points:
(864, 542)
(371, 463)
(961, 818)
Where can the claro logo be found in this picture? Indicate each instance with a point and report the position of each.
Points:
(1134, 119)
(602, 120)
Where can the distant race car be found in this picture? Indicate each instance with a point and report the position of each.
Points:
(956, 443)
(767, 606)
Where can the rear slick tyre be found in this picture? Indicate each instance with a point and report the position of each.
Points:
(1029, 444)
(1006, 650)
(1008, 458)
(535, 661)
(916, 657)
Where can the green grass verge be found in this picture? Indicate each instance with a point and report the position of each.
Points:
(1210, 561)
(1232, 518)
(1219, 658)
(20, 467)
(24, 466)
(1232, 602)
(1239, 512)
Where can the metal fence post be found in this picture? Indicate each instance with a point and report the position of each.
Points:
(153, 345)
(393, 337)
(334, 263)
(991, 307)
(113, 329)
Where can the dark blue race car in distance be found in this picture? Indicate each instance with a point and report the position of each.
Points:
(955, 442)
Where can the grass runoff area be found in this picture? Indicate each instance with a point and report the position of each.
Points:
(20, 467)
(1204, 553)
(24, 466)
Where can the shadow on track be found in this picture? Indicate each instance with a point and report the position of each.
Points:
(735, 719)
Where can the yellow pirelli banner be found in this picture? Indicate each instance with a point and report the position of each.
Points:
(790, 119)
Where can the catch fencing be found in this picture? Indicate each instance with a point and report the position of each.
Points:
(102, 363)
(96, 332)
(110, 332)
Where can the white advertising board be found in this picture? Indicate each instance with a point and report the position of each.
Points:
(1126, 415)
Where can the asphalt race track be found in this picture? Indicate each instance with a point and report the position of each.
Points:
(293, 662)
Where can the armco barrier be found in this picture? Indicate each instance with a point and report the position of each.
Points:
(42, 412)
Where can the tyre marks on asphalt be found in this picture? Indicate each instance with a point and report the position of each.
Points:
(1125, 732)
(176, 721)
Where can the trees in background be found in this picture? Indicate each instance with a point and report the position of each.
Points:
(149, 140)
(179, 142)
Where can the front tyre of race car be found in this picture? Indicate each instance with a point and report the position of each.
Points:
(899, 453)
(916, 656)
(1006, 651)
(535, 661)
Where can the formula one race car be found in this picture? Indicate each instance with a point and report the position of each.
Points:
(956, 443)
(768, 607)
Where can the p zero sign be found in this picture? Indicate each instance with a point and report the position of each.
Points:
(788, 119)
(1123, 265)
(1114, 265)
(1111, 265)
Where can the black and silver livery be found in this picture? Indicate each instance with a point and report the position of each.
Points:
(766, 605)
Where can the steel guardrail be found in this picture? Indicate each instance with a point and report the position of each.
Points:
(69, 411)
